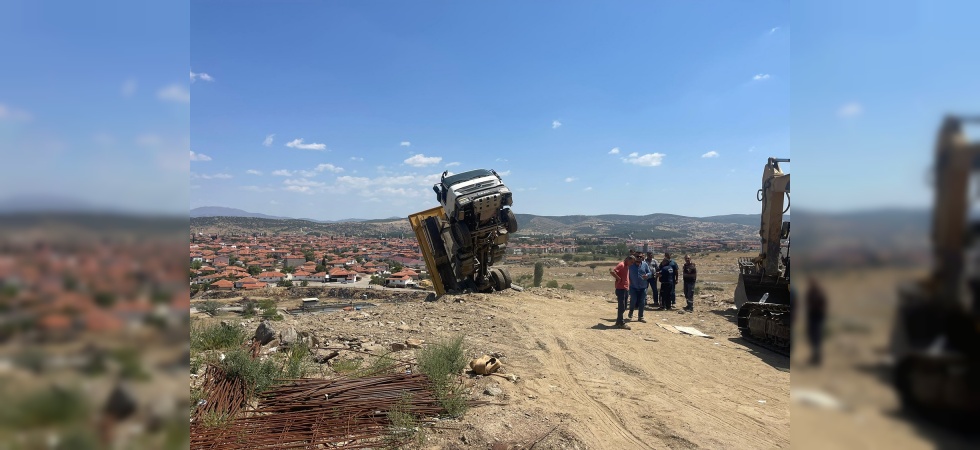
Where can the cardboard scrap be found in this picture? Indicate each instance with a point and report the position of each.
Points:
(692, 331)
(669, 328)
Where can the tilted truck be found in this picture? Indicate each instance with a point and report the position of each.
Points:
(466, 235)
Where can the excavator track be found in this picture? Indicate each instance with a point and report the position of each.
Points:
(765, 325)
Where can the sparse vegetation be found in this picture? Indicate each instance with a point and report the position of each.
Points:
(568, 286)
(404, 426)
(215, 336)
(442, 362)
(298, 363)
(269, 309)
(713, 288)
(210, 307)
(259, 375)
(552, 284)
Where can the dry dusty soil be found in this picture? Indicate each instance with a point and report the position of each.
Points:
(580, 383)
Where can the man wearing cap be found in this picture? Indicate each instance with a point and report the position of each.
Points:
(621, 274)
(668, 282)
(639, 273)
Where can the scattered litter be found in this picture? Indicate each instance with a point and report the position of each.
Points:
(485, 365)
(692, 331)
(817, 398)
(762, 401)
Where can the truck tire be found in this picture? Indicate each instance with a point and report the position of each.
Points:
(509, 220)
(496, 279)
(461, 233)
(506, 275)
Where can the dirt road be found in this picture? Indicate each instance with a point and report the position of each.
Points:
(582, 384)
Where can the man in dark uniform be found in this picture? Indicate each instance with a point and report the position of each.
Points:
(816, 315)
(676, 277)
(668, 279)
(690, 277)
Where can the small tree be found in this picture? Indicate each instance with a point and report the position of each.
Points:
(254, 270)
(538, 273)
(284, 283)
(568, 257)
(593, 266)
(196, 265)
(304, 283)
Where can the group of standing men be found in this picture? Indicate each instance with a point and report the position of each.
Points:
(636, 273)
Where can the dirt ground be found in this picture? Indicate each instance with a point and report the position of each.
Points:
(856, 372)
(580, 383)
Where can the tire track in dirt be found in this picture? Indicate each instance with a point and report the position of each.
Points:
(611, 430)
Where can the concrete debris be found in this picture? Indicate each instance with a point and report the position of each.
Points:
(691, 330)
(816, 398)
(289, 336)
(493, 390)
(265, 333)
(414, 342)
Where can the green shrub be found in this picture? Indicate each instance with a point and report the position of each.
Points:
(552, 284)
(442, 363)
(259, 375)
(215, 336)
(568, 286)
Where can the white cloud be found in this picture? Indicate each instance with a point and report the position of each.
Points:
(405, 144)
(201, 76)
(306, 173)
(711, 154)
(174, 93)
(648, 160)
(588, 188)
(13, 114)
(199, 156)
(751, 149)
(217, 176)
(570, 179)
(421, 160)
(850, 110)
(356, 158)
(298, 143)
(555, 124)
(504, 173)
(128, 88)
(773, 30)
(256, 188)
(303, 182)
(501, 160)
(253, 172)
(614, 151)
(268, 140)
(452, 164)
(761, 76)
(329, 167)
(300, 189)
(282, 173)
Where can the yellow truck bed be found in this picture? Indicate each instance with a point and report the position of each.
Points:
(415, 220)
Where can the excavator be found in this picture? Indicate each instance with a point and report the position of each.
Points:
(762, 295)
(935, 340)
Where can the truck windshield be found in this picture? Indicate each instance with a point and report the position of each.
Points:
(465, 176)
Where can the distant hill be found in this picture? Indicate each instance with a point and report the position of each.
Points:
(652, 226)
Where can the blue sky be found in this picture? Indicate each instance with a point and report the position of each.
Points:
(872, 81)
(94, 102)
(629, 108)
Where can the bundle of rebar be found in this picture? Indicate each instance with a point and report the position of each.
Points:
(225, 395)
(328, 413)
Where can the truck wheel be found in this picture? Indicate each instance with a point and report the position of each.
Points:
(497, 279)
(506, 275)
(461, 233)
(509, 220)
